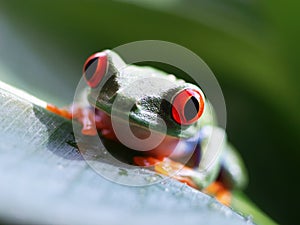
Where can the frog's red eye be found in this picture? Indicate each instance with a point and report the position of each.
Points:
(187, 106)
(95, 68)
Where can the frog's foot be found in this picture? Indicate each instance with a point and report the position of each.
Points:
(66, 113)
(218, 190)
(183, 174)
(94, 120)
(167, 167)
(104, 124)
(84, 115)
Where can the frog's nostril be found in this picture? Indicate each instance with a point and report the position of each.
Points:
(95, 68)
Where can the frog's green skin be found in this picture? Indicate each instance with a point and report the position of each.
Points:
(154, 101)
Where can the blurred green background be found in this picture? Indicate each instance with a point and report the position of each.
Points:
(252, 47)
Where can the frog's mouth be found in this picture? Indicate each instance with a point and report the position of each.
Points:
(169, 146)
(141, 121)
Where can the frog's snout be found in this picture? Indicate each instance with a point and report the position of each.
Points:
(95, 68)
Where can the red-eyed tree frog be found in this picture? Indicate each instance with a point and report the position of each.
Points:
(183, 108)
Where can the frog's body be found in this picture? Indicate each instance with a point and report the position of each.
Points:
(176, 112)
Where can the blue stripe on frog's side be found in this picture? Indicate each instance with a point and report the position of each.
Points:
(191, 147)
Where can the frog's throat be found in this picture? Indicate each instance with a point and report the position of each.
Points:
(170, 146)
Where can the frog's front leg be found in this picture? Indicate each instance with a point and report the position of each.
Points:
(63, 112)
(92, 120)
(167, 167)
(219, 191)
(185, 175)
(84, 115)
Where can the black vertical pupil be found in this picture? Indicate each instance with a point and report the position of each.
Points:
(191, 108)
(90, 68)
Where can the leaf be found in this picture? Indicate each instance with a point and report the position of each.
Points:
(44, 179)
(240, 201)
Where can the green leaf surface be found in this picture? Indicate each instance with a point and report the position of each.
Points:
(241, 202)
(44, 179)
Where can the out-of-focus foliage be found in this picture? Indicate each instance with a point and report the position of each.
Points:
(252, 46)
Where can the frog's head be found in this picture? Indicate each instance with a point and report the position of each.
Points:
(145, 95)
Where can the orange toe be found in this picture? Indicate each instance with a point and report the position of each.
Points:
(145, 161)
(62, 112)
(218, 190)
